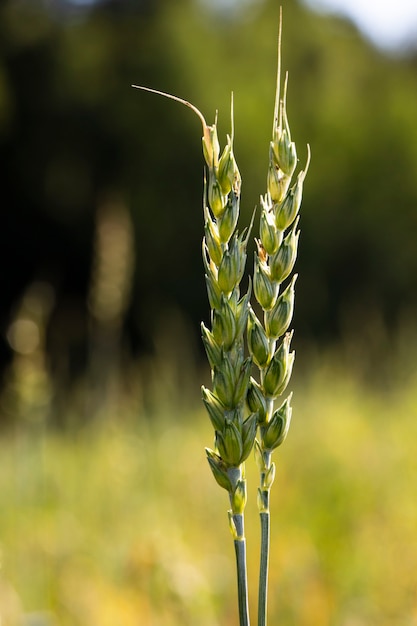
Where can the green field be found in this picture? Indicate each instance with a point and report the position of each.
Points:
(121, 522)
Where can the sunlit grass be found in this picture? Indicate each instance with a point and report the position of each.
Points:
(105, 526)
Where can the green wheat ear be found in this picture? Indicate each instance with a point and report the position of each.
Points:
(224, 258)
(268, 339)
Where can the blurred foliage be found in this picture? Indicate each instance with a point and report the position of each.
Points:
(75, 137)
(121, 522)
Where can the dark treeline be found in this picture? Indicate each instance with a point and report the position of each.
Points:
(75, 137)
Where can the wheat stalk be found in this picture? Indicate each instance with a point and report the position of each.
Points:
(224, 258)
(269, 340)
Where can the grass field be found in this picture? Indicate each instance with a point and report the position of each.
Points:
(121, 522)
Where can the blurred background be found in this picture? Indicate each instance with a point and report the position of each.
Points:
(101, 427)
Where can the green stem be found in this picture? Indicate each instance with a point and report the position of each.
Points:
(242, 578)
(265, 537)
(264, 565)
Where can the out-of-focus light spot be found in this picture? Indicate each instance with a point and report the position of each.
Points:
(23, 336)
(113, 263)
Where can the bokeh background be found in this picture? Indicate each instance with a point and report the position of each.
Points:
(108, 512)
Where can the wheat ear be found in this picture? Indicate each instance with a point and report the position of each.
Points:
(224, 258)
(269, 340)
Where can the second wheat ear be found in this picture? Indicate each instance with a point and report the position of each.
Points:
(269, 338)
(241, 407)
